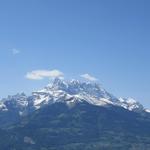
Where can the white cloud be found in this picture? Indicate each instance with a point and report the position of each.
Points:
(41, 74)
(15, 51)
(88, 77)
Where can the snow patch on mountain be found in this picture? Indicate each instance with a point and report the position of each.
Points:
(131, 104)
(72, 92)
(77, 91)
(69, 92)
(147, 110)
(3, 107)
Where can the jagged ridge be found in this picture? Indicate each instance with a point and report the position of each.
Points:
(69, 92)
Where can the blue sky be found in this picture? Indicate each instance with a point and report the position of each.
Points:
(107, 39)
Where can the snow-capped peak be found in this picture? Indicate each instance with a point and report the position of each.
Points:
(69, 92)
(73, 91)
(131, 100)
(147, 110)
(76, 87)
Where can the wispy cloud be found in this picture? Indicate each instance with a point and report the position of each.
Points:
(88, 77)
(15, 51)
(42, 74)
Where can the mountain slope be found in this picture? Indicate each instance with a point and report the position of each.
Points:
(83, 126)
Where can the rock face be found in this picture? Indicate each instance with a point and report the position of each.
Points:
(73, 115)
(68, 92)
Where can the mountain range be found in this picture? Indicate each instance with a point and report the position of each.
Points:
(73, 115)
